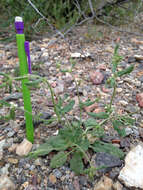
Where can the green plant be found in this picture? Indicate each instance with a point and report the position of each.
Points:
(73, 139)
(78, 136)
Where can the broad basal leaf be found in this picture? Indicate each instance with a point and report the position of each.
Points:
(101, 115)
(76, 163)
(58, 143)
(58, 160)
(42, 150)
(84, 144)
(71, 135)
(118, 126)
(100, 146)
(53, 143)
(125, 71)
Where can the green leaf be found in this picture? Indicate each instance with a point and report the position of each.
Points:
(87, 103)
(127, 120)
(12, 113)
(58, 143)
(71, 135)
(98, 131)
(53, 143)
(58, 160)
(101, 115)
(111, 82)
(5, 75)
(3, 85)
(116, 49)
(34, 83)
(68, 107)
(42, 150)
(90, 122)
(60, 102)
(125, 71)
(84, 144)
(4, 103)
(76, 124)
(76, 163)
(100, 146)
(117, 126)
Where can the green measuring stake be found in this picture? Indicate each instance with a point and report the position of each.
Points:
(25, 68)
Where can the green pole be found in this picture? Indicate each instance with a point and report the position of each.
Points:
(20, 39)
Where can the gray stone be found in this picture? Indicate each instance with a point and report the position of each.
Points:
(131, 59)
(107, 160)
(57, 173)
(128, 131)
(123, 64)
(135, 130)
(48, 64)
(14, 96)
(71, 187)
(11, 133)
(114, 173)
(125, 143)
(83, 180)
(141, 79)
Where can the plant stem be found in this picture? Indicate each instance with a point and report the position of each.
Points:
(86, 156)
(53, 100)
(79, 101)
(113, 96)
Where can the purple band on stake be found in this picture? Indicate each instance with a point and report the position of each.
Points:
(27, 50)
(19, 26)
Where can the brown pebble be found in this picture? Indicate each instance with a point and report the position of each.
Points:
(52, 179)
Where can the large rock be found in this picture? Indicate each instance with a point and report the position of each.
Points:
(131, 175)
(107, 160)
(6, 183)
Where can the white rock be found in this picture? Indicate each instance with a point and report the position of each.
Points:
(24, 148)
(118, 90)
(138, 57)
(6, 183)
(123, 102)
(78, 55)
(2, 143)
(132, 174)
